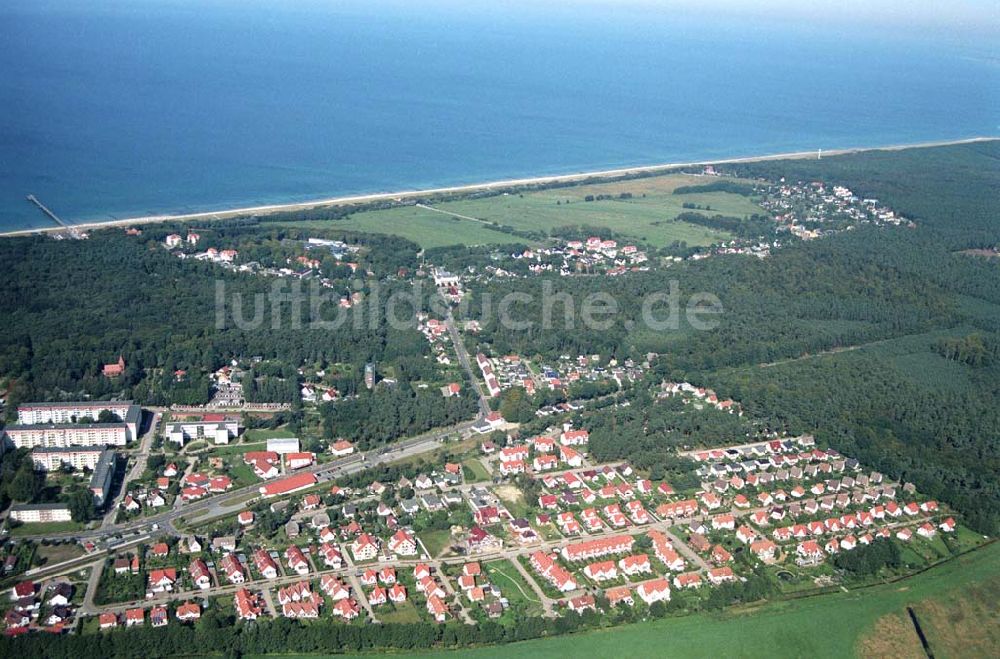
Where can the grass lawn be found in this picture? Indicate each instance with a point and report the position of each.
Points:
(399, 613)
(424, 227)
(476, 468)
(50, 527)
(824, 626)
(57, 553)
(241, 473)
(261, 434)
(435, 541)
(235, 449)
(513, 586)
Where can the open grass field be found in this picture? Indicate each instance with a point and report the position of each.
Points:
(963, 623)
(237, 448)
(435, 541)
(834, 625)
(404, 612)
(649, 219)
(474, 467)
(51, 554)
(424, 227)
(513, 586)
(51, 527)
(262, 434)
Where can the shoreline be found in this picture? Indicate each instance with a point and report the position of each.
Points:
(471, 187)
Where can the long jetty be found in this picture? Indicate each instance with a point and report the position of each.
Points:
(45, 209)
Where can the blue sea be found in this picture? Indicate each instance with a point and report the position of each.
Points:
(114, 109)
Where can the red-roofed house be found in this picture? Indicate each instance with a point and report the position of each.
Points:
(288, 485)
(265, 564)
(188, 611)
(657, 590)
(402, 543)
(720, 575)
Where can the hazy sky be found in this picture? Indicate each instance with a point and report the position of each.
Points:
(913, 19)
(937, 17)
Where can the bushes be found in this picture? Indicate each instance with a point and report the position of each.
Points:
(867, 560)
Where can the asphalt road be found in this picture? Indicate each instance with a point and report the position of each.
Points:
(235, 500)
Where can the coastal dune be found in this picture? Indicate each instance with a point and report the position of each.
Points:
(474, 187)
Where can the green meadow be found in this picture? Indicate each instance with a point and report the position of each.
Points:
(648, 217)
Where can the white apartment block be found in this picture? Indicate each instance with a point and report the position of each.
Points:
(70, 434)
(78, 457)
(40, 512)
(55, 425)
(219, 432)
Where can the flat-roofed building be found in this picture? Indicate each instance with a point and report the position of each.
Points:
(58, 435)
(58, 424)
(40, 512)
(217, 428)
(283, 445)
(78, 457)
(100, 482)
(71, 412)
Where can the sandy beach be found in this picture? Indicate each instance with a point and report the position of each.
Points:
(473, 187)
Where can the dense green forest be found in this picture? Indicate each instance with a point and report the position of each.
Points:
(71, 306)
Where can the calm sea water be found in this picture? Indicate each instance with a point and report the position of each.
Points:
(122, 109)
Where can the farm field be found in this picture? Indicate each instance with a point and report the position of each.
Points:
(424, 227)
(824, 626)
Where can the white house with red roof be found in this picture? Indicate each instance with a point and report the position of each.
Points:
(265, 564)
(809, 550)
(635, 564)
(331, 554)
(544, 462)
(570, 456)
(657, 590)
(763, 549)
(341, 448)
(601, 571)
(574, 438)
(134, 617)
(162, 580)
(200, 574)
(719, 575)
(233, 569)
(296, 560)
(334, 587)
(403, 543)
(365, 547)
(299, 460)
(248, 605)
